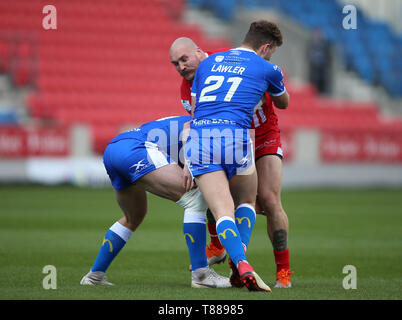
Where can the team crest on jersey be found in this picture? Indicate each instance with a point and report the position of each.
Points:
(186, 104)
(219, 58)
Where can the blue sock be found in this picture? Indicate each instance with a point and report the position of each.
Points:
(194, 230)
(245, 220)
(114, 240)
(230, 238)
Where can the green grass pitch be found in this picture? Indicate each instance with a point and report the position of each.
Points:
(64, 226)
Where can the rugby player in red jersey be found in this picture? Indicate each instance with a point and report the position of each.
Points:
(185, 56)
(186, 64)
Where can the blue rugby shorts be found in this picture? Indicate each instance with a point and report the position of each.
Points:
(128, 160)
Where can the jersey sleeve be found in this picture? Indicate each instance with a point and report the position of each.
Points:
(185, 91)
(276, 86)
(194, 86)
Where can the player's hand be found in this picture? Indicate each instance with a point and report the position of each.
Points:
(188, 179)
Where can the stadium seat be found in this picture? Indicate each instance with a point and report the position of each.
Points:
(108, 66)
(4, 56)
(361, 50)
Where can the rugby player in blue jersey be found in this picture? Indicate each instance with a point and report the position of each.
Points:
(150, 159)
(219, 153)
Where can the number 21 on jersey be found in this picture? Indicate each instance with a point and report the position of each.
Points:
(217, 82)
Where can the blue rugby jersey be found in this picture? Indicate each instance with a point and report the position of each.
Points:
(165, 132)
(228, 85)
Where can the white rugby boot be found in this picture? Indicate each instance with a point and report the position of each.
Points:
(208, 278)
(95, 278)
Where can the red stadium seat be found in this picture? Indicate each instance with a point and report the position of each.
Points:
(4, 56)
(108, 66)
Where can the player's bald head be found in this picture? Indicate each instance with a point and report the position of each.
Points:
(185, 55)
(183, 42)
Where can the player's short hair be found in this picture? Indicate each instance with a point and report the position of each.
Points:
(262, 32)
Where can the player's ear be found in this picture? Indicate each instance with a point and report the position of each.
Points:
(200, 54)
(265, 48)
(262, 51)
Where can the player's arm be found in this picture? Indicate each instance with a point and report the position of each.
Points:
(276, 88)
(281, 101)
(194, 89)
(193, 102)
(185, 90)
(187, 176)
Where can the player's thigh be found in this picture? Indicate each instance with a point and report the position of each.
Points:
(269, 170)
(244, 188)
(215, 189)
(133, 202)
(166, 182)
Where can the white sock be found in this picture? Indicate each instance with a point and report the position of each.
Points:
(121, 231)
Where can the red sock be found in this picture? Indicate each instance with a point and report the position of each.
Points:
(214, 237)
(282, 259)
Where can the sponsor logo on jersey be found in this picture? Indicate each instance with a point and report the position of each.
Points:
(219, 58)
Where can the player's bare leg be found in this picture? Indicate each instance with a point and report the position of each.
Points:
(243, 188)
(269, 169)
(133, 202)
(215, 251)
(217, 193)
(215, 188)
(166, 182)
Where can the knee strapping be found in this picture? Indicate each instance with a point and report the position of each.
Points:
(193, 201)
